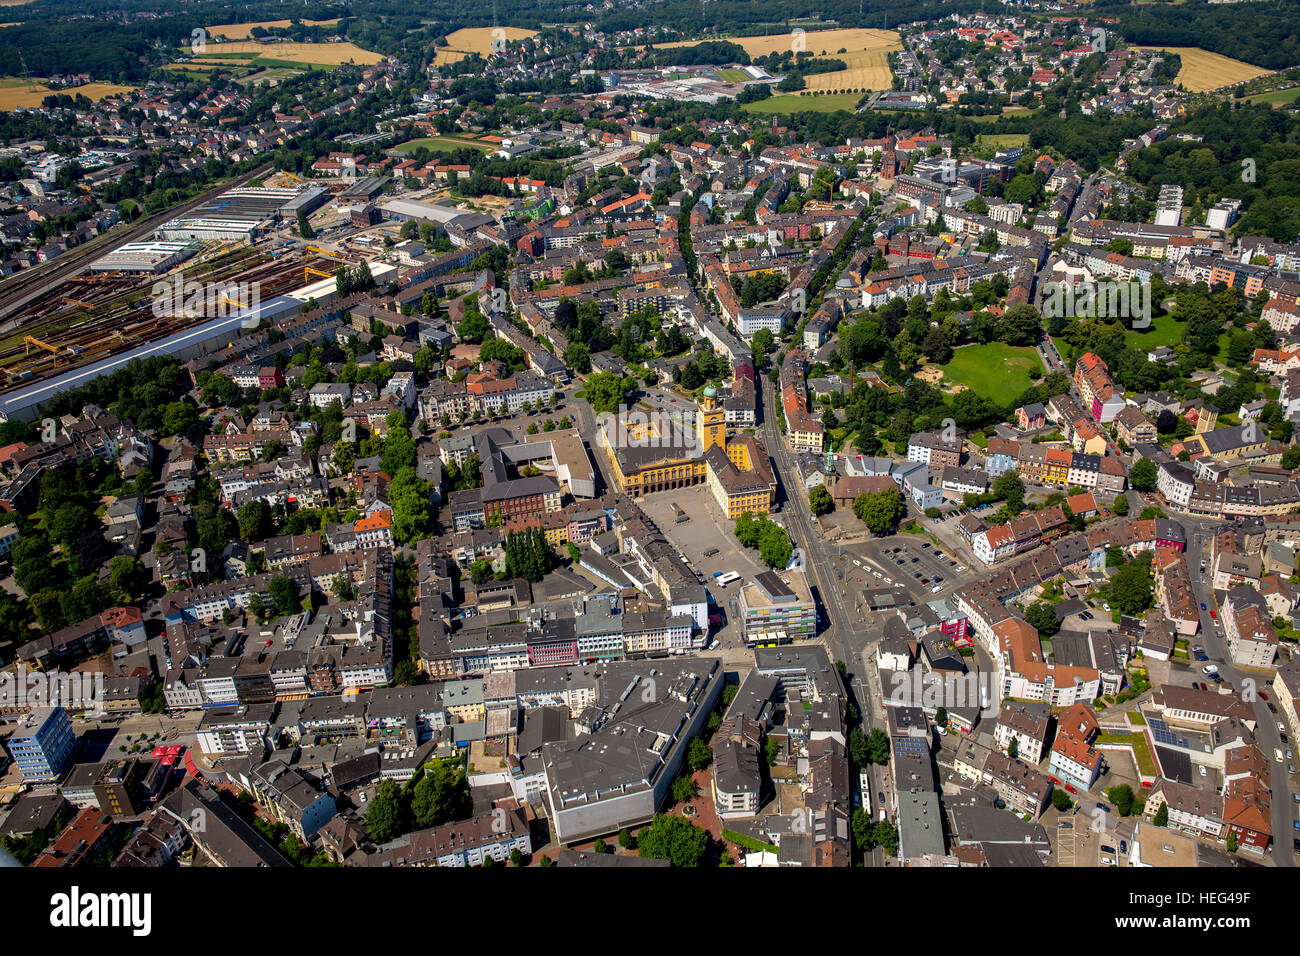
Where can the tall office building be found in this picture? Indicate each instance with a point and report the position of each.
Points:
(43, 747)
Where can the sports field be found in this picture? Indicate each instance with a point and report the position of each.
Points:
(313, 54)
(1203, 71)
(443, 143)
(865, 53)
(242, 31)
(477, 40)
(15, 92)
(994, 371)
(786, 105)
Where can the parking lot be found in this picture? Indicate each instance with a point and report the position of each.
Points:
(707, 530)
(915, 562)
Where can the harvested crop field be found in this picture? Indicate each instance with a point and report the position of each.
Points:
(865, 54)
(1203, 71)
(316, 54)
(478, 40)
(242, 31)
(16, 93)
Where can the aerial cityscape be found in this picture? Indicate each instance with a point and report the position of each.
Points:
(635, 434)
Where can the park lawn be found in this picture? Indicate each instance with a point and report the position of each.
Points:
(806, 104)
(446, 143)
(994, 371)
(1165, 330)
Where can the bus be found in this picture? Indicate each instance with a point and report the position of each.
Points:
(725, 579)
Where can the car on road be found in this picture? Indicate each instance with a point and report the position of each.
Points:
(711, 552)
(1202, 657)
(1272, 709)
(1202, 605)
(1202, 769)
(1213, 616)
(1070, 788)
(1281, 727)
(1263, 696)
(1123, 846)
(1103, 808)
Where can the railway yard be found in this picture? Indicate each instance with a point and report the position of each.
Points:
(94, 315)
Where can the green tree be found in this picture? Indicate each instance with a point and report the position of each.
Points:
(284, 595)
(1142, 475)
(1122, 797)
(1043, 618)
(1131, 588)
(684, 789)
(699, 754)
(820, 501)
(255, 520)
(1120, 505)
(878, 751)
(604, 391)
(675, 839)
(880, 511)
(384, 815)
(442, 795)
(1009, 488)
(1060, 800)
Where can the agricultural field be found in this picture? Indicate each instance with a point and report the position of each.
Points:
(16, 92)
(436, 143)
(994, 371)
(243, 31)
(477, 40)
(865, 52)
(799, 104)
(281, 54)
(1204, 71)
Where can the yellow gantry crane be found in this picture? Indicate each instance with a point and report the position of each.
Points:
(30, 340)
(308, 272)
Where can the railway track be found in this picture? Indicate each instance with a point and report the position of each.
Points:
(21, 289)
(102, 315)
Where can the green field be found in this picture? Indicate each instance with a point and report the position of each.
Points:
(1002, 140)
(1164, 331)
(437, 144)
(1277, 97)
(806, 104)
(733, 76)
(995, 371)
